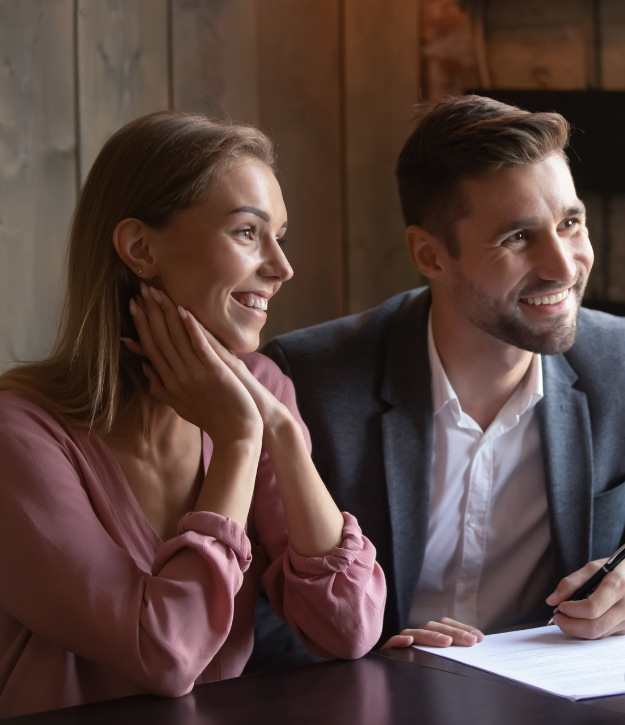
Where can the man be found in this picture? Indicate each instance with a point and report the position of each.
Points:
(480, 449)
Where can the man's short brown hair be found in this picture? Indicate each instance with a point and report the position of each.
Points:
(466, 138)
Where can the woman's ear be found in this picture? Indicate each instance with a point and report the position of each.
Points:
(131, 243)
(426, 251)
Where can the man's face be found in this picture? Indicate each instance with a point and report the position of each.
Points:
(524, 256)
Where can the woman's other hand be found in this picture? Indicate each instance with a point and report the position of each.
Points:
(441, 633)
(187, 374)
(272, 411)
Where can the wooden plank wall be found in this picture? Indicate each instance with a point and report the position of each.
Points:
(332, 81)
(37, 168)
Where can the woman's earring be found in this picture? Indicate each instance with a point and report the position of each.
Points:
(140, 271)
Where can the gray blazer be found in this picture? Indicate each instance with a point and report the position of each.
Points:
(363, 389)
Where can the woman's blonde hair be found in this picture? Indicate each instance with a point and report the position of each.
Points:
(150, 169)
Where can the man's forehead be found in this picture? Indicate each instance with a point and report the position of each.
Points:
(536, 191)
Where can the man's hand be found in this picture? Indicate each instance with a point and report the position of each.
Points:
(442, 633)
(602, 614)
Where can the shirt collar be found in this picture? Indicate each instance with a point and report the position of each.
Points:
(527, 394)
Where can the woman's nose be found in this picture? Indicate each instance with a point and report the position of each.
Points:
(276, 264)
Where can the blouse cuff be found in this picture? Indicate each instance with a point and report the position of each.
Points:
(340, 558)
(198, 530)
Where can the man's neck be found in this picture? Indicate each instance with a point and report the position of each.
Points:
(483, 371)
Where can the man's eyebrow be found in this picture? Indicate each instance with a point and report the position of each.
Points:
(252, 210)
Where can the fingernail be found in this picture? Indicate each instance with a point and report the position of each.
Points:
(183, 312)
(475, 633)
(133, 307)
(468, 637)
(553, 596)
(144, 289)
(126, 339)
(156, 295)
(443, 638)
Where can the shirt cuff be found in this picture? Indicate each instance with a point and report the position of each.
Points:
(339, 559)
(199, 530)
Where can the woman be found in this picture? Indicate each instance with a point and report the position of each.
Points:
(148, 484)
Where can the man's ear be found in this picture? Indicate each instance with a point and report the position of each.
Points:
(129, 240)
(426, 251)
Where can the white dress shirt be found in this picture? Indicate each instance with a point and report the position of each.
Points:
(488, 560)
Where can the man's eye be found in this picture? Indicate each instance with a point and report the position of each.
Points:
(517, 237)
(570, 223)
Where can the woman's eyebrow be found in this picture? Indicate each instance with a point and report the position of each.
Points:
(252, 210)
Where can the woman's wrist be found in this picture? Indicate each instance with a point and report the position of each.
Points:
(282, 430)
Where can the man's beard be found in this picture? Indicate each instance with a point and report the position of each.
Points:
(557, 333)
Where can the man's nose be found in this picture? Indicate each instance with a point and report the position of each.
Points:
(555, 259)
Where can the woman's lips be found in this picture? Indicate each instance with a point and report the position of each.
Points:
(251, 302)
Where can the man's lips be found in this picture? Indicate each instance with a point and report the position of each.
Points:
(553, 298)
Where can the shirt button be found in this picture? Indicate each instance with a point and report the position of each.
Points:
(473, 522)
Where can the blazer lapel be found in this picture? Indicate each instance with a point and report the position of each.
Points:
(407, 444)
(566, 439)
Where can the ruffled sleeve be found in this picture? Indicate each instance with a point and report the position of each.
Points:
(335, 603)
(70, 581)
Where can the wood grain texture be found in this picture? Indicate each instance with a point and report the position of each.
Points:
(612, 34)
(299, 107)
(381, 88)
(215, 58)
(537, 44)
(37, 170)
(122, 67)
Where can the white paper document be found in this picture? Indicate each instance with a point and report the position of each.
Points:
(550, 660)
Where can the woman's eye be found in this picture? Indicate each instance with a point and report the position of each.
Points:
(282, 242)
(247, 233)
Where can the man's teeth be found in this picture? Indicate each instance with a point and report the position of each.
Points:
(551, 300)
(258, 302)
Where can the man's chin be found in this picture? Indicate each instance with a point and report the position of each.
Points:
(550, 337)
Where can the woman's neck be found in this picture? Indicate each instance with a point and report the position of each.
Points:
(164, 469)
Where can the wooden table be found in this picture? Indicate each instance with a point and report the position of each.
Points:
(384, 688)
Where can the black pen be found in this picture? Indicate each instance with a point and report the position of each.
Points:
(589, 587)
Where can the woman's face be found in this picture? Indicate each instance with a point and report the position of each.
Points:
(222, 260)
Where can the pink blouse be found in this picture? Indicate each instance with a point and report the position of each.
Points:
(93, 605)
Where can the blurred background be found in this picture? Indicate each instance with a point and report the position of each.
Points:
(333, 82)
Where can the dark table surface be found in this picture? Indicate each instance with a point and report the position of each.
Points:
(385, 688)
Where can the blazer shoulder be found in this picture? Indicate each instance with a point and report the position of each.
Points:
(344, 334)
(599, 347)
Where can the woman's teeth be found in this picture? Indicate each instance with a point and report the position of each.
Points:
(252, 301)
(551, 300)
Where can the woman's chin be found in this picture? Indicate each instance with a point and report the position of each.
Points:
(237, 342)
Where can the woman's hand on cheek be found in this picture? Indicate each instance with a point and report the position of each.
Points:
(272, 411)
(188, 375)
